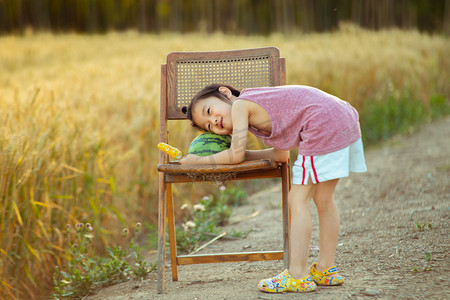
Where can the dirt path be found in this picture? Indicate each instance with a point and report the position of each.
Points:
(392, 217)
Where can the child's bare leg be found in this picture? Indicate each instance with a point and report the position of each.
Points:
(300, 229)
(329, 223)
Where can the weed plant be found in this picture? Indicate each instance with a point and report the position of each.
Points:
(85, 272)
(422, 227)
(79, 112)
(205, 217)
(427, 265)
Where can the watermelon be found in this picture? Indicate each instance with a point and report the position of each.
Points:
(209, 143)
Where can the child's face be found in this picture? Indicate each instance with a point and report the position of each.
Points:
(213, 114)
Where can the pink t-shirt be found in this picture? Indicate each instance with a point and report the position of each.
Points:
(306, 118)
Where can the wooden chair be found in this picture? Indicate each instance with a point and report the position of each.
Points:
(184, 74)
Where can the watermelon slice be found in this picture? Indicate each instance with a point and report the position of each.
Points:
(209, 143)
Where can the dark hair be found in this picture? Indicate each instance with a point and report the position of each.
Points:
(211, 90)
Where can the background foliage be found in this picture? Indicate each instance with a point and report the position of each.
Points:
(229, 16)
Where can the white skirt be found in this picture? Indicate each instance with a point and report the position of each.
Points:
(330, 166)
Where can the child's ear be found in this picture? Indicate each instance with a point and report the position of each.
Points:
(226, 91)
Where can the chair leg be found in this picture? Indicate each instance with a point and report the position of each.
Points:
(286, 217)
(172, 236)
(161, 234)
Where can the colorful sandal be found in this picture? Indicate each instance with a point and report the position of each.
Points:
(283, 282)
(324, 278)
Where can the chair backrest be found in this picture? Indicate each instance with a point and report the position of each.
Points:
(189, 72)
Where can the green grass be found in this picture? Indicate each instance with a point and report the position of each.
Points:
(396, 114)
(87, 272)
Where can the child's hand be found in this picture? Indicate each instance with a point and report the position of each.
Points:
(188, 159)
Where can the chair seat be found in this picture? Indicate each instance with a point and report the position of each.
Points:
(176, 168)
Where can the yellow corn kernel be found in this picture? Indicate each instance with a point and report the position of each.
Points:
(171, 150)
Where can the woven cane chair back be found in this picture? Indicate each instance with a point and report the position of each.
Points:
(188, 73)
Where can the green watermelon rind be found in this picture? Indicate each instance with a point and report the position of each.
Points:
(209, 143)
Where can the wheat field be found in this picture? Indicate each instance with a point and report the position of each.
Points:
(80, 123)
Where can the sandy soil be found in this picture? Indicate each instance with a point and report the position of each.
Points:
(391, 217)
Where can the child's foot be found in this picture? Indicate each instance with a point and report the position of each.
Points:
(283, 282)
(328, 277)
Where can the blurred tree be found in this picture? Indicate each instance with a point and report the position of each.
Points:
(229, 16)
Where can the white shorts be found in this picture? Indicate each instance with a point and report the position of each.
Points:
(329, 166)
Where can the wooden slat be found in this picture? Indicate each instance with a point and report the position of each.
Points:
(174, 56)
(172, 234)
(257, 174)
(175, 168)
(163, 158)
(282, 71)
(172, 112)
(285, 207)
(229, 257)
(162, 210)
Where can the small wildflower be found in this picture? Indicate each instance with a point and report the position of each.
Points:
(188, 225)
(79, 227)
(125, 231)
(184, 206)
(88, 225)
(206, 198)
(138, 227)
(222, 188)
(199, 207)
(67, 228)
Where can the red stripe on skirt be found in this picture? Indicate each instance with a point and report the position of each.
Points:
(314, 169)
(304, 171)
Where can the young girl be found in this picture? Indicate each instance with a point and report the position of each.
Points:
(326, 132)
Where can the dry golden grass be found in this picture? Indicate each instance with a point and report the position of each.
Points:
(80, 120)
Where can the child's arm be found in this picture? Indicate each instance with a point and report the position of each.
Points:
(272, 153)
(235, 154)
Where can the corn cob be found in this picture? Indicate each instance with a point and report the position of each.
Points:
(171, 150)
